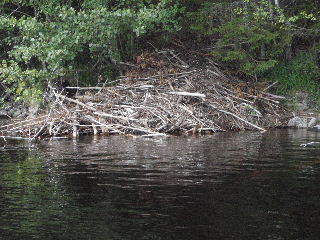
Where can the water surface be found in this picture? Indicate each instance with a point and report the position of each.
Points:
(245, 185)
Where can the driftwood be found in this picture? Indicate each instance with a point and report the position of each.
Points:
(309, 144)
(189, 100)
(188, 94)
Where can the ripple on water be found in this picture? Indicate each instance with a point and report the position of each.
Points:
(244, 185)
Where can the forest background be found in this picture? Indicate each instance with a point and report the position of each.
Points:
(47, 43)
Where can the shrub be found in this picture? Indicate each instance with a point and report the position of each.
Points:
(60, 41)
(299, 74)
(251, 36)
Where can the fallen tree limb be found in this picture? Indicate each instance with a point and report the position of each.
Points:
(101, 114)
(188, 94)
(164, 101)
(239, 118)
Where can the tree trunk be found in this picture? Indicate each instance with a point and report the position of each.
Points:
(289, 52)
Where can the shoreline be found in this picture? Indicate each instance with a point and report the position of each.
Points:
(159, 96)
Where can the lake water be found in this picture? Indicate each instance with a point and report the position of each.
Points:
(245, 185)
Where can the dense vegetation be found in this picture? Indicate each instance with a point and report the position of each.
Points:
(48, 42)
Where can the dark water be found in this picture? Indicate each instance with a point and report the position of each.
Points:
(226, 186)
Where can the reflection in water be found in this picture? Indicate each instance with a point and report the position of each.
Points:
(226, 186)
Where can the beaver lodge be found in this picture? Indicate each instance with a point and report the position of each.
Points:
(162, 93)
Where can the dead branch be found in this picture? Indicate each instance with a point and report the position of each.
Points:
(166, 101)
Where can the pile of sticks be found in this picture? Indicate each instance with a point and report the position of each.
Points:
(187, 100)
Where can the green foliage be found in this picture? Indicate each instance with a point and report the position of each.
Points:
(26, 84)
(254, 39)
(299, 74)
(252, 36)
(59, 41)
(210, 15)
(46, 41)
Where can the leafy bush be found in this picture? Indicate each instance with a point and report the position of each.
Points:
(58, 41)
(43, 42)
(255, 39)
(299, 74)
(251, 36)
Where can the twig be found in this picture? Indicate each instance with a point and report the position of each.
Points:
(188, 94)
(239, 118)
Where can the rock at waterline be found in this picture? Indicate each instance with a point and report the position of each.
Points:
(315, 128)
(303, 122)
(298, 122)
(313, 122)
